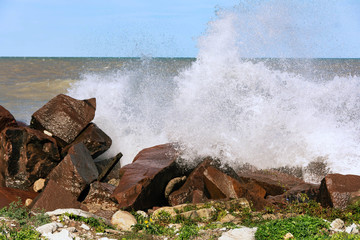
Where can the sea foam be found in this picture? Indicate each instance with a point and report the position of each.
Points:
(224, 106)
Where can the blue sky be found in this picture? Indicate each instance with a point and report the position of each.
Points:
(159, 28)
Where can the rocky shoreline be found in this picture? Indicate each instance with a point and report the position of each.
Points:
(50, 166)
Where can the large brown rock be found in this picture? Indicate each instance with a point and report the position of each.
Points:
(9, 195)
(143, 182)
(6, 119)
(54, 197)
(76, 171)
(209, 181)
(68, 181)
(96, 141)
(338, 190)
(25, 156)
(64, 117)
(274, 182)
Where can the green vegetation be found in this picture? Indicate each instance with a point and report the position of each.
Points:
(26, 222)
(301, 227)
(98, 224)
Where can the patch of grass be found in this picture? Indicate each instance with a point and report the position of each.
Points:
(26, 232)
(188, 232)
(301, 227)
(17, 212)
(98, 224)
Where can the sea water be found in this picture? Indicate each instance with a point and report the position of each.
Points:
(268, 112)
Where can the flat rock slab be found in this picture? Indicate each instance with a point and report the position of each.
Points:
(337, 190)
(25, 156)
(64, 117)
(143, 182)
(9, 195)
(6, 119)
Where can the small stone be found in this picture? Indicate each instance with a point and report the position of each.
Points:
(84, 226)
(123, 220)
(337, 225)
(114, 182)
(48, 133)
(47, 228)
(39, 185)
(72, 229)
(288, 236)
(227, 218)
(142, 213)
(352, 229)
(28, 202)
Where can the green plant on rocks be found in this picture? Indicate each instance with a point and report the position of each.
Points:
(98, 224)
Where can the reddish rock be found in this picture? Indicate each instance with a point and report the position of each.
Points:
(54, 196)
(338, 190)
(98, 200)
(96, 141)
(9, 195)
(274, 182)
(64, 117)
(6, 119)
(76, 171)
(143, 182)
(193, 190)
(208, 181)
(25, 156)
(108, 167)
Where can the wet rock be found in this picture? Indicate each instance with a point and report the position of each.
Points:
(9, 195)
(207, 181)
(64, 117)
(96, 141)
(193, 190)
(76, 171)
(274, 182)
(142, 183)
(301, 193)
(25, 156)
(123, 220)
(6, 119)
(338, 190)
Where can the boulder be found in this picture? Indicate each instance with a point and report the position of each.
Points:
(193, 190)
(142, 183)
(208, 181)
(9, 195)
(123, 220)
(337, 190)
(76, 171)
(25, 156)
(64, 117)
(6, 119)
(96, 141)
(274, 182)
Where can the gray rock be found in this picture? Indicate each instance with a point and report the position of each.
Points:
(337, 225)
(48, 228)
(243, 233)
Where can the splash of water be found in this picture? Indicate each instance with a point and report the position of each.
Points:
(224, 106)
